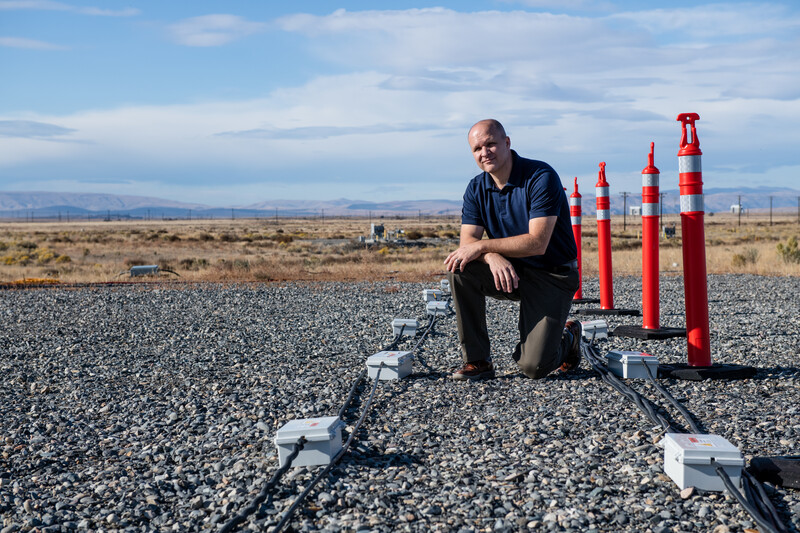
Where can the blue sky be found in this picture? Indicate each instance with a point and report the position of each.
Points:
(237, 102)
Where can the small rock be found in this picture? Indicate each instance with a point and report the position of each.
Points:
(688, 492)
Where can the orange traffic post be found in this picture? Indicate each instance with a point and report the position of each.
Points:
(690, 183)
(575, 217)
(651, 328)
(604, 250)
(695, 283)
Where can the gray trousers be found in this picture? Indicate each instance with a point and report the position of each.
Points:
(545, 299)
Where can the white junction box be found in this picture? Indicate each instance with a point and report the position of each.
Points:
(396, 365)
(407, 325)
(445, 284)
(594, 329)
(324, 436)
(436, 308)
(430, 295)
(632, 365)
(687, 460)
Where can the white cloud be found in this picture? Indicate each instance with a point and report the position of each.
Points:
(47, 5)
(29, 44)
(213, 30)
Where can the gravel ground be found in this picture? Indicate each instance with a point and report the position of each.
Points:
(143, 408)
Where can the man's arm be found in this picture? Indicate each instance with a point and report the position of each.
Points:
(495, 251)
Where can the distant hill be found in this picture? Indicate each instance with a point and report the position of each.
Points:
(93, 205)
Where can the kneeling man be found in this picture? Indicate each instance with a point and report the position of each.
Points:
(530, 257)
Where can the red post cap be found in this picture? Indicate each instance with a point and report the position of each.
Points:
(693, 147)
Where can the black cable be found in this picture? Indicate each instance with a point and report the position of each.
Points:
(671, 399)
(643, 404)
(762, 523)
(763, 501)
(338, 457)
(352, 393)
(234, 522)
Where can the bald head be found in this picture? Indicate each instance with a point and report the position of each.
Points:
(491, 126)
(491, 149)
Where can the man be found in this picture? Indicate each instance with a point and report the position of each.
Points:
(530, 257)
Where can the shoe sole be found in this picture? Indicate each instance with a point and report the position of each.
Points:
(483, 375)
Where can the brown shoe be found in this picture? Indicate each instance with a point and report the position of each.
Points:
(573, 357)
(474, 370)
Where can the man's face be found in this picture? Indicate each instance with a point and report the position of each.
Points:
(491, 151)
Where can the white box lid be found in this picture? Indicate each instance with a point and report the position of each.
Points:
(694, 449)
(409, 323)
(313, 429)
(393, 358)
(627, 356)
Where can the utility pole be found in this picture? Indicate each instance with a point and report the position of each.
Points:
(740, 210)
(323, 216)
(624, 208)
(770, 210)
(232, 213)
(661, 209)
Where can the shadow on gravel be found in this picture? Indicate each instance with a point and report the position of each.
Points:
(777, 372)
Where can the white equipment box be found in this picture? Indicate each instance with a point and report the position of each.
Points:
(430, 295)
(407, 325)
(445, 285)
(687, 460)
(396, 365)
(594, 329)
(324, 436)
(632, 365)
(436, 308)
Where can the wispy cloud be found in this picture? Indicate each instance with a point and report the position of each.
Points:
(324, 132)
(30, 44)
(213, 30)
(47, 5)
(29, 129)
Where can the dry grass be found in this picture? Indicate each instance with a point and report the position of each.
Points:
(319, 250)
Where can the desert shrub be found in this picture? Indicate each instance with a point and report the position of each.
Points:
(747, 257)
(789, 251)
(430, 234)
(170, 237)
(134, 261)
(193, 263)
(205, 237)
(27, 245)
(44, 256)
(63, 259)
(281, 238)
(151, 236)
(3, 246)
(413, 235)
(227, 237)
(449, 234)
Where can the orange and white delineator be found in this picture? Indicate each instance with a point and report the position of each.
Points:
(694, 247)
(575, 219)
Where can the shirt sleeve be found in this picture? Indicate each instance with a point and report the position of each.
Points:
(545, 194)
(470, 210)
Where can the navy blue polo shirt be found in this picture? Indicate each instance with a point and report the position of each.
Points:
(533, 190)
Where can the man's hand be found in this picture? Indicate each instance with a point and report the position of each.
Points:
(464, 254)
(505, 277)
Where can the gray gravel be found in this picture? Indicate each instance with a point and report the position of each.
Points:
(141, 408)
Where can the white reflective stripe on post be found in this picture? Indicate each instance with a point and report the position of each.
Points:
(649, 210)
(691, 203)
(689, 163)
(603, 214)
(576, 221)
(574, 201)
(650, 180)
(601, 192)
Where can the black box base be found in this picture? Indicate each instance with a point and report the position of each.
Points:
(699, 373)
(586, 300)
(638, 332)
(599, 312)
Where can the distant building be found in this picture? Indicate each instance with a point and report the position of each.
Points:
(737, 208)
(635, 210)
